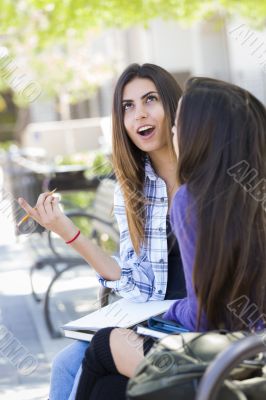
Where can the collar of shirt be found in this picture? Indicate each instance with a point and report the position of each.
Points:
(149, 171)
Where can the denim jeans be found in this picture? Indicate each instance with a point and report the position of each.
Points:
(66, 370)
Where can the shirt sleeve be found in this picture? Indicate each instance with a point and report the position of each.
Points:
(184, 224)
(137, 276)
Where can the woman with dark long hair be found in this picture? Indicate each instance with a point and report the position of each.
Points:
(218, 216)
(149, 266)
(228, 128)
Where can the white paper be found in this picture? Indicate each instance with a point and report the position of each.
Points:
(123, 313)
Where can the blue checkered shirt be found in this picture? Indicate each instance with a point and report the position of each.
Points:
(143, 277)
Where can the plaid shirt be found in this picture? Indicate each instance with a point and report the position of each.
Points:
(143, 277)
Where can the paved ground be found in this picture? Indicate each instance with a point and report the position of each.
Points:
(18, 320)
(21, 317)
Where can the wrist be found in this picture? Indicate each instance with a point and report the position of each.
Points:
(67, 230)
(73, 238)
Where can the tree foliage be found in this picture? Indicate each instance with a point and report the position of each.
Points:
(49, 40)
(59, 19)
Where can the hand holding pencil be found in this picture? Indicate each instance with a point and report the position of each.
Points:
(27, 216)
(48, 214)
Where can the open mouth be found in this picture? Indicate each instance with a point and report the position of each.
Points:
(146, 130)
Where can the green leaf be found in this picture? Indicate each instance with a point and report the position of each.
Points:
(48, 39)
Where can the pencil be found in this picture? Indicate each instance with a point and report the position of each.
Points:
(27, 216)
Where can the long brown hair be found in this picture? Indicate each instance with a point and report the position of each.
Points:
(222, 127)
(128, 159)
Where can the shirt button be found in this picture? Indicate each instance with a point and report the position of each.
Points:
(160, 291)
(160, 229)
(162, 199)
(161, 260)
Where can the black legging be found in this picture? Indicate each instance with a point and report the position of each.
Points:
(111, 387)
(100, 379)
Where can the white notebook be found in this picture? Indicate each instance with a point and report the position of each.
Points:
(142, 330)
(123, 313)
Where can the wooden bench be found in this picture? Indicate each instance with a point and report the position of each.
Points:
(99, 224)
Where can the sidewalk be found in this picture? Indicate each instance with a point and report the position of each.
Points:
(22, 317)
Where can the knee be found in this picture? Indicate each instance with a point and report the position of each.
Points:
(60, 362)
(102, 335)
(99, 342)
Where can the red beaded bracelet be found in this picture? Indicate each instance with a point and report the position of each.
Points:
(74, 238)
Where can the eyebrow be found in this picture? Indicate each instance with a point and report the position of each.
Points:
(142, 97)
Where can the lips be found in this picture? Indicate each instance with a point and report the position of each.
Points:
(145, 130)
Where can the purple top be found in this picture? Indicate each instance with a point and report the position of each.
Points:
(183, 221)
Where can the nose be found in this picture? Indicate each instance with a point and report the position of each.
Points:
(140, 113)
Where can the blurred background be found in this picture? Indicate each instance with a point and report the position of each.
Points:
(59, 62)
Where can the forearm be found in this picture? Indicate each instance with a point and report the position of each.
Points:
(103, 264)
(48, 214)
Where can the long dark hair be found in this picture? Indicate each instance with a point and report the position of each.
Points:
(128, 159)
(221, 129)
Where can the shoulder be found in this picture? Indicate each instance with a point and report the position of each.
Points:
(118, 196)
(183, 210)
(117, 189)
(182, 198)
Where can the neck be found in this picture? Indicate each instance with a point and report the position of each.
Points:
(165, 165)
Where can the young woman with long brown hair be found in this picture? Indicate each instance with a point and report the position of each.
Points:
(218, 216)
(149, 266)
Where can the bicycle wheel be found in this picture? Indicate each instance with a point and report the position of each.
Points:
(228, 359)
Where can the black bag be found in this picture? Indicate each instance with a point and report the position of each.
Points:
(174, 367)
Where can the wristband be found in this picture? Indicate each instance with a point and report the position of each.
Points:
(74, 238)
